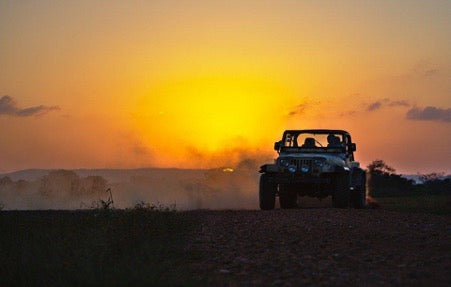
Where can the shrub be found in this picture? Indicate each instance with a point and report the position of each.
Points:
(141, 205)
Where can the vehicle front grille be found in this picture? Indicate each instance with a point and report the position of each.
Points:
(299, 163)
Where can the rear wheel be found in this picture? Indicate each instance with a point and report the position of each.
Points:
(341, 193)
(358, 196)
(267, 193)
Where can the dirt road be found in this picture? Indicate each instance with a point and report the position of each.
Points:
(321, 246)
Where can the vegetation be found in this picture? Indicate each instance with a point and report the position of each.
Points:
(394, 192)
(141, 205)
(435, 183)
(383, 181)
(139, 246)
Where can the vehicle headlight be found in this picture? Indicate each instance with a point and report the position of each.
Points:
(305, 168)
(319, 162)
(292, 168)
(284, 163)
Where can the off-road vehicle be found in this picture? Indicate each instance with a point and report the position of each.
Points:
(316, 163)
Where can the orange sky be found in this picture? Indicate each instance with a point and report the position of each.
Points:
(93, 84)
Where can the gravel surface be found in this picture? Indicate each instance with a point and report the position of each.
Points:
(321, 246)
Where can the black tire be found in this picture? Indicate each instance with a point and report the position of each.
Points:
(267, 193)
(358, 195)
(288, 197)
(341, 193)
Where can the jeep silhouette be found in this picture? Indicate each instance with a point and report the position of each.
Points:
(316, 163)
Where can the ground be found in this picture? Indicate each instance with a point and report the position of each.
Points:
(323, 247)
(306, 246)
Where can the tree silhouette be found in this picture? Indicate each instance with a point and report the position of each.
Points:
(383, 181)
(378, 166)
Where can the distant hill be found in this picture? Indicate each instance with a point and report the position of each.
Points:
(26, 174)
(416, 178)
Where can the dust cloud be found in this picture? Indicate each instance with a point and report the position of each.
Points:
(371, 202)
(227, 187)
(59, 189)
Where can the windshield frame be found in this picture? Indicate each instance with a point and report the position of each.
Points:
(294, 134)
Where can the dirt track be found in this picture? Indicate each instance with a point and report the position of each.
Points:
(321, 246)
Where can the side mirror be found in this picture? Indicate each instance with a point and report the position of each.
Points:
(277, 146)
(352, 147)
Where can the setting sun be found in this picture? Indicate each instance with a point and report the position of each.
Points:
(210, 113)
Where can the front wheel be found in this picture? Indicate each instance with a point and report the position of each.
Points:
(267, 193)
(341, 193)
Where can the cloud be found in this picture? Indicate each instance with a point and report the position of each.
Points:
(8, 106)
(374, 106)
(386, 103)
(377, 105)
(299, 109)
(348, 113)
(429, 114)
(399, 103)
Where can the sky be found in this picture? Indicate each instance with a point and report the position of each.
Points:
(199, 84)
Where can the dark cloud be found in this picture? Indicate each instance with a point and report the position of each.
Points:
(399, 104)
(8, 106)
(374, 106)
(299, 109)
(386, 103)
(348, 113)
(429, 114)
(377, 105)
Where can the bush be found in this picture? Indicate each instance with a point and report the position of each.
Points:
(141, 205)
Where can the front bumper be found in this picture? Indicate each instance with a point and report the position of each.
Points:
(293, 178)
